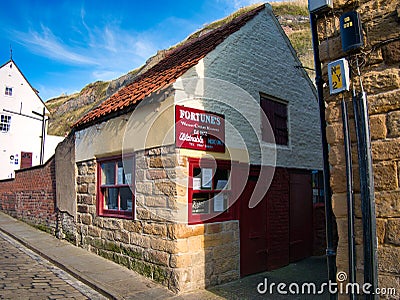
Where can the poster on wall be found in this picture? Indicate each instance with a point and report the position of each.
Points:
(199, 130)
(26, 160)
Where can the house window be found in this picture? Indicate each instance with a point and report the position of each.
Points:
(317, 180)
(115, 185)
(277, 114)
(209, 191)
(8, 91)
(5, 122)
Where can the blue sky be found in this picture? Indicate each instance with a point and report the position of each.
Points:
(61, 46)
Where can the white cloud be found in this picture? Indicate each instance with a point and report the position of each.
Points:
(236, 4)
(46, 44)
(105, 75)
(103, 49)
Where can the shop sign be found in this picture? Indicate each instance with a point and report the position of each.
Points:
(199, 130)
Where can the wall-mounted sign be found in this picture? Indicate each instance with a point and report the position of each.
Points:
(26, 160)
(199, 130)
(339, 76)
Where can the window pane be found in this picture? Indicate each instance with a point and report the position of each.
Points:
(111, 198)
(220, 202)
(221, 179)
(8, 91)
(277, 115)
(127, 164)
(200, 203)
(121, 174)
(5, 122)
(126, 196)
(108, 173)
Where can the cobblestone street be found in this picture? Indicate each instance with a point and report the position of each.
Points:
(26, 275)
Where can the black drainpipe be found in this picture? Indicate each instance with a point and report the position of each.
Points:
(330, 247)
(350, 198)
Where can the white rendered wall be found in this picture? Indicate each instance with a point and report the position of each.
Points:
(257, 58)
(147, 127)
(25, 132)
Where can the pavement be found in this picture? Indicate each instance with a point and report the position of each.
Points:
(114, 281)
(26, 275)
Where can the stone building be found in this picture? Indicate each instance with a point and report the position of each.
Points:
(379, 65)
(200, 170)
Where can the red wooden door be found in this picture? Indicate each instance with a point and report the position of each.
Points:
(253, 232)
(26, 160)
(301, 216)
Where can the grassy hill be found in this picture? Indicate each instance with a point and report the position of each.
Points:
(67, 109)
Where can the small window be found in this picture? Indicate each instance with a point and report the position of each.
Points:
(115, 185)
(277, 114)
(5, 122)
(317, 180)
(209, 191)
(9, 91)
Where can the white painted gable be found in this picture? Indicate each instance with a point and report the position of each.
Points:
(21, 129)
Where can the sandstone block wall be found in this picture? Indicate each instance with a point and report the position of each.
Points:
(380, 75)
(180, 256)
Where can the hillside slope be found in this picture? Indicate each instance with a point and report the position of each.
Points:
(67, 109)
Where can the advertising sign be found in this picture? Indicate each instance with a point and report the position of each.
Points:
(199, 130)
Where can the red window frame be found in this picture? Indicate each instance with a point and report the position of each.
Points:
(103, 187)
(210, 216)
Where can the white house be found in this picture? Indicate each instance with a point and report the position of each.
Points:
(21, 123)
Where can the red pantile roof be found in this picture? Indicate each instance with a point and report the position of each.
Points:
(176, 62)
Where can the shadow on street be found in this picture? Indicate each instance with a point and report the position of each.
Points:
(310, 270)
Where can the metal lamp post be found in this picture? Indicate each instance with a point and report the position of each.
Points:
(317, 6)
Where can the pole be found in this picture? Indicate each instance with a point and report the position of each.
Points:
(42, 138)
(367, 191)
(350, 198)
(330, 249)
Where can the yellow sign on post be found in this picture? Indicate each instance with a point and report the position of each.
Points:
(339, 76)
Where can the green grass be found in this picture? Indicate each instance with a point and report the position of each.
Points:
(301, 41)
(217, 24)
(295, 8)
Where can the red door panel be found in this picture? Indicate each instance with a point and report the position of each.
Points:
(278, 220)
(253, 232)
(301, 216)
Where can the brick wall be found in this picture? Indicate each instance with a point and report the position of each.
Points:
(31, 195)
(381, 78)
(179, 256)
(278, 219)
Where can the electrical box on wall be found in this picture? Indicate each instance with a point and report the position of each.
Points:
(351, 31)
(319, 5)
(339, 76)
